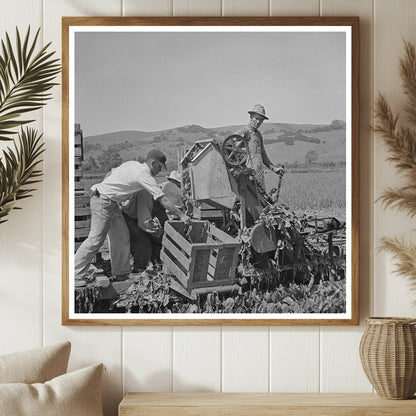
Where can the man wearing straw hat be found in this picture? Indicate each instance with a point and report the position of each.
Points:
(172, 188)
(257, 156)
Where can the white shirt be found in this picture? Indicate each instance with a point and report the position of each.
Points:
(126, 179)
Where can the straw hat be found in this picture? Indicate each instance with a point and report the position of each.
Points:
(176, 176)
(259, 109)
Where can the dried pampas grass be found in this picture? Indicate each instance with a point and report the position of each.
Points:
(401, 143)
(405, 256)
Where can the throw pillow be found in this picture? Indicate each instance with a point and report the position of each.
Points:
(73, 394)
(35, 366)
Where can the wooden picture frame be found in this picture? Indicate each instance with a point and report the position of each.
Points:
(312, 65)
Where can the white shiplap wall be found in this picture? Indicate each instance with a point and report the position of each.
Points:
(245, 359)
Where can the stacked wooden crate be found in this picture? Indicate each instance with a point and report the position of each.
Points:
(81, 204)
(78, 158)
(82, 218)
(205, 211)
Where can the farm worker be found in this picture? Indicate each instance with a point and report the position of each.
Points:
(257, 156)
(172, 188)
(145, 218)
(106, 217)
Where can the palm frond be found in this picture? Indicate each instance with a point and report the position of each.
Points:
(26, 78)
(18, 169)
(405, 256)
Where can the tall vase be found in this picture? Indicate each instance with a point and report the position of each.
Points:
(388, 356)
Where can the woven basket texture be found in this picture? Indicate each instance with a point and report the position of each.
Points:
(388, 356)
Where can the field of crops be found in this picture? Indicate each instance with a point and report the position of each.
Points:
(313, 193)
(316, 193)
(151, 293)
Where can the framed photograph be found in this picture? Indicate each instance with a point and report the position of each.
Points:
(210, 171)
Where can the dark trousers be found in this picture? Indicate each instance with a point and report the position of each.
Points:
(143, 247)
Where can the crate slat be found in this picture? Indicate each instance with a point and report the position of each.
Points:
(211, 272)
(78, 151)
(222, 267)
(82, 232)
(82, 224)
(222, 236)
(78, 172)
(82, 201)
(212, 283)
(172, 248)
(80, 211)
(207, 245)
(200, 256)
(173, 268)
(78, 138)
(171, 232)
(82, 198)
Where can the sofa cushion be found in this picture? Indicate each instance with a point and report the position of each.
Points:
(35, 366)
(73, 394)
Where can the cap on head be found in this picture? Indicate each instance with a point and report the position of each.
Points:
(158, 156)
(175, 176)
(259, 110)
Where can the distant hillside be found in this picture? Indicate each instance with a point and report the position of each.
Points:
(331, 148)
(118, 136)
(284, 143)
(191, 133)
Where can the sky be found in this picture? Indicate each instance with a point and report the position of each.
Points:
(152, 81)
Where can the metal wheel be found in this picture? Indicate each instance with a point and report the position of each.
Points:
(235, 150)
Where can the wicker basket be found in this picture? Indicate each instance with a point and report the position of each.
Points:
(388, 356)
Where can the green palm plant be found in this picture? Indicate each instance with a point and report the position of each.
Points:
(401, 142)
(26, 78)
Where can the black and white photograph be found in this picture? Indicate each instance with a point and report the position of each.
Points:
(211, 173)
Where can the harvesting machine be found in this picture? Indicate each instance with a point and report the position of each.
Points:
(220, 187)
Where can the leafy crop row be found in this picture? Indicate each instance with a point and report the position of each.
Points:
(151, 293)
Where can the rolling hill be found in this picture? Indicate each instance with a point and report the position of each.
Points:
(329, 146)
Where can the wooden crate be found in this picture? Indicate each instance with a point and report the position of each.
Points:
(82, 199)
(78, 172)
(208, 258)
(82, 217)
(78, 152)
(79, 184)
(207, 212)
